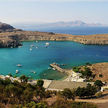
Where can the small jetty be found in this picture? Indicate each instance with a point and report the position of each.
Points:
(72, 76)
(57, 67)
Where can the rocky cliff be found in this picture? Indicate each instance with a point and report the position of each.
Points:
(9, 42)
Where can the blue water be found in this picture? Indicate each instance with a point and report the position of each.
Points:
(76, 30)
(38, 59)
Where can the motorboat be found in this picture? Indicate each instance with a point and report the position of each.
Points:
(19, 65)
(32, 45)
(30, 49)
(17, 71)
(47, 44)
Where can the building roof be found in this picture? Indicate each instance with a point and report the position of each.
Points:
(60, 85)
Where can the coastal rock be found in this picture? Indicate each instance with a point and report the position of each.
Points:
(10, 42)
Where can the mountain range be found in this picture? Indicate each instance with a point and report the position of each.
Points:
(56, 24)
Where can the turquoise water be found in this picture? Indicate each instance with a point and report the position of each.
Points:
(38, 59)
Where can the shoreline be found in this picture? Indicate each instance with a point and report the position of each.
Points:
(8, 38)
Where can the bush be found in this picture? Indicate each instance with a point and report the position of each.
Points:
(98, 94)
(100, 75)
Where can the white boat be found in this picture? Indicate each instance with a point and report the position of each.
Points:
(30, 49)
(17, 71)
(19, 65)
(19, 46)
(32, 45)
(53, 68)
(49, 67)
(33, 72)
(47, 44)
(36, 47)
(36, 41)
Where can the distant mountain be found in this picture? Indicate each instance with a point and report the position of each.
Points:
(56, 24)
(69, 24)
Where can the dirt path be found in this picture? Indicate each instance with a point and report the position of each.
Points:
(93, 100)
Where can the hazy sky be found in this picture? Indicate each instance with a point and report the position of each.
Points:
(90, 11)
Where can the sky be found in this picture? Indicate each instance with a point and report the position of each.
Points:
(42, 11)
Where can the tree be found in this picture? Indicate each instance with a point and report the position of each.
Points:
(98, 83)
(89, 91)
(80, 92)
(88, 63)
(1, 81)
(24, 79)
(68, 94)
(40, 83)
(87, 72)
(39, 92)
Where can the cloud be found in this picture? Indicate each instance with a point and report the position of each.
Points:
(55, 0)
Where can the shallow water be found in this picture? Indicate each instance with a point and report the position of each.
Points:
(38, 59)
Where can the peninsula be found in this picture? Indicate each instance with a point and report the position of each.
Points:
(11, 37)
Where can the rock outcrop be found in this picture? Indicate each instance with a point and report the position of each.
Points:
(7, 28)
(9, 42)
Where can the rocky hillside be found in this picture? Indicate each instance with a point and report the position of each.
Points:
(99, 39)
(10, 35)
(101, 71)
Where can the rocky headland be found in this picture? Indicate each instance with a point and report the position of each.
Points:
(11, 37)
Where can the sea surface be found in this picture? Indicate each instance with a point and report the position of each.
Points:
(38, 60)
(35, 63)
(75, 30)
